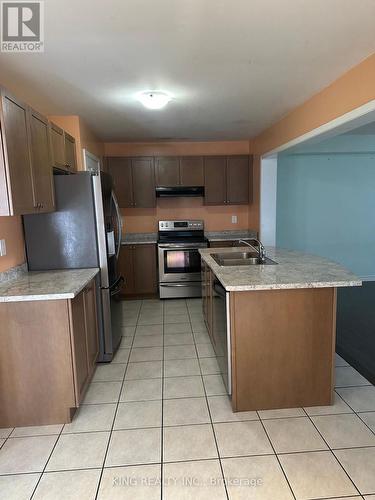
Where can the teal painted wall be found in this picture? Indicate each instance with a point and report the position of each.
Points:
(326, 206)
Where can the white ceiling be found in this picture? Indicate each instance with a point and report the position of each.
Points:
(234, 66)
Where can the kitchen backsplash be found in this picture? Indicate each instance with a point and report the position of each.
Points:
(216, 218)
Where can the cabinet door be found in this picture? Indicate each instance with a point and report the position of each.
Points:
(70, 152)
(41, 162)
(167, 171)
(121, 172)
(144, 258)
(126, 269)
(79, 344)
(15, 137)
(215, 180)
(143, 182)
(238, 180)
(92, 339)
(191, 171)
(57, 146)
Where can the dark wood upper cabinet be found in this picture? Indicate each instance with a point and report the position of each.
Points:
(70, 151)
(121, 172)
(41, 162)
(176, 171)
(134, 181)
(167, 171)
(191, 171)
(16, 167)
(215, 185)
(237, 180)
(227, 180)
(58, 146)
(143, 182)
(63, 147)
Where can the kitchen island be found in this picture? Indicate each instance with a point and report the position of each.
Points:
(280, 327)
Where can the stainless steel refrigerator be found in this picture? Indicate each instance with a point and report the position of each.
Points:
(84, 231)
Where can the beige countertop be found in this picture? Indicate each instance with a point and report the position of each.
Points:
(46, 285)
(230, 235)
(144, 238)
(293, 270)
(139, 238)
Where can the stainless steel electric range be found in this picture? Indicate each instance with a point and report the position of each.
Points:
(179, 259)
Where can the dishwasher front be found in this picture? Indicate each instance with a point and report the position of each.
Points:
(221, 332)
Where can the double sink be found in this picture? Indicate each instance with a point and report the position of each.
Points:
(244, 258)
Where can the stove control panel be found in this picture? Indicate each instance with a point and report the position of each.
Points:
(181, 225)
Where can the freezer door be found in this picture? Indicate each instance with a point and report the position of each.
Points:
(110, 225)
(99, 201)
(66, 238)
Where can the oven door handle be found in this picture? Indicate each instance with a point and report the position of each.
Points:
(182, 246)
(178, 285)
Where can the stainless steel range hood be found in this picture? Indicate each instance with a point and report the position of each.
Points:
(179, 191)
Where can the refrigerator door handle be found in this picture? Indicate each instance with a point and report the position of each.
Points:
(119, 224)
(116, 287)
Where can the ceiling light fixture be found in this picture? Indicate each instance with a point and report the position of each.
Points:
(154, 99)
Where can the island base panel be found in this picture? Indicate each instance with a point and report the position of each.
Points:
(283, 346)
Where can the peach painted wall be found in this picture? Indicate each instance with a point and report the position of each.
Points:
(216, 218)
(350, 91)
(11, 230)
(89, 140)
(84, 137)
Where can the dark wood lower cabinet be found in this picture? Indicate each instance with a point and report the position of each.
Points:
(48, 351)
(138, 265)
(79, 341)
(126, 269)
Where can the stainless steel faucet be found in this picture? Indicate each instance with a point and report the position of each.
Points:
(261, 250)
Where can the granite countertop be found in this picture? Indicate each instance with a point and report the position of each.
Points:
(293, 270)
(229, 235)
(139, 238)
(46, 285)
(143, 238)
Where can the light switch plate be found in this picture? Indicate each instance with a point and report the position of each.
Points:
(234, 219)
(3, 248)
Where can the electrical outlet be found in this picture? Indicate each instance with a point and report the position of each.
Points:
(3, 248)
(234, 219)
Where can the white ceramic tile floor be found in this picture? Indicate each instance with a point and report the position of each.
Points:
(157, 423)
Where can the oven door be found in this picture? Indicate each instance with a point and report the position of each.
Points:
(179, 262)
